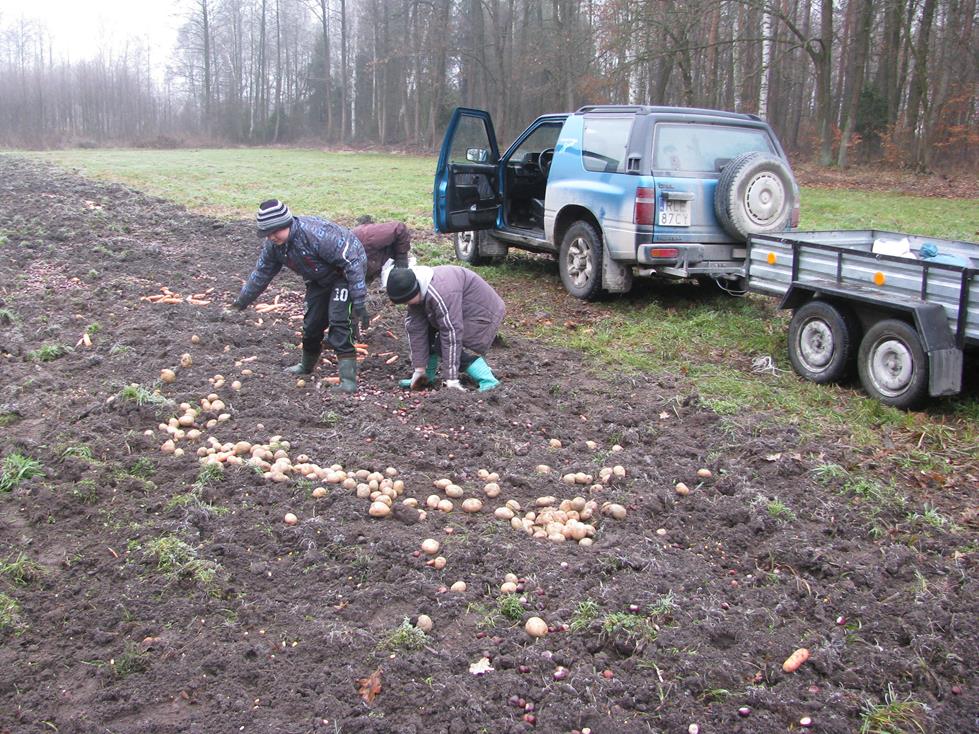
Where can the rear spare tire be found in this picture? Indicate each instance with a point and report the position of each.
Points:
(893, 365)
(822, 342)
(755, 195)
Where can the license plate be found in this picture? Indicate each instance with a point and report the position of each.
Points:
(674, 213)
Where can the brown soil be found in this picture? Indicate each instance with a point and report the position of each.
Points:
(722, 591)
(956, 185)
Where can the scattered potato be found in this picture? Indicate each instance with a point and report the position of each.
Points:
(535, 627)
(508, 587)
(195, 339)
(186, 360)
(430, 546)
(591, 445)
(543, 469)
(319, 492)
(705, 473)
(453, 490)
(615, 511)
(492, 490)
(472, 505)
(438, 563)
(554, 443)
(446, 506)
(167, 376)
(682, 489)
(290, 519)
(379, 509)
(168, 447)
(424, 623)
(795, 660)
(458, 586)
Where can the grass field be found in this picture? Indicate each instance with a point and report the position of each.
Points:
(712, 340)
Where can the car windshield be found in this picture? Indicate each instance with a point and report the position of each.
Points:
(689, 147)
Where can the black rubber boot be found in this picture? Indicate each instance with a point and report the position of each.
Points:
(347, 366)
(307, 365)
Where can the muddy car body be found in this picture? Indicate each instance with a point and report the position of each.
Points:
(616, 191)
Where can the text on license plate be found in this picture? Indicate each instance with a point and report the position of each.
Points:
(674, 213)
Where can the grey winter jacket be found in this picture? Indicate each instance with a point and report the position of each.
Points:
(463, 308)
(319, 251)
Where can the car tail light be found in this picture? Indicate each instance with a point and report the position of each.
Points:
(645, 205)
(669, 252)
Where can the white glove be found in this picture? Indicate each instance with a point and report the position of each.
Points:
(454, 384)
(418, 378)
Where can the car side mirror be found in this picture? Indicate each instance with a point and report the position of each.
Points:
(477, 155)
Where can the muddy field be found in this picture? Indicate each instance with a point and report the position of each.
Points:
(145, 593)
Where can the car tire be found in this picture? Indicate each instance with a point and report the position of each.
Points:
(893, 365)
(580, 261)
(755, 195)
(823, 341)
(469, 247)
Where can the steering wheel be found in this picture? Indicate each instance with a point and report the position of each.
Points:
(546, 156)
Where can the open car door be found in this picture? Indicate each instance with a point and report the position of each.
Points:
(467, 177)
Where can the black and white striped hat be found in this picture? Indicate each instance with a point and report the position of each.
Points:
(272, 215)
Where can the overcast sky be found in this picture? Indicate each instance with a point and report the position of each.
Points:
(80, 28)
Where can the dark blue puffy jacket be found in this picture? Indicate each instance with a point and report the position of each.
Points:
(319, 251)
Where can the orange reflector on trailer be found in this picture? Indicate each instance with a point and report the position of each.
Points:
(771, 258)
(879, 278)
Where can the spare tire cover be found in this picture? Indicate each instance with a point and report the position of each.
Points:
(755, 195)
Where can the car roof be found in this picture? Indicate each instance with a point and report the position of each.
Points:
(690, 112)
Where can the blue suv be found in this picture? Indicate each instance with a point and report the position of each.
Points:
(616, 191)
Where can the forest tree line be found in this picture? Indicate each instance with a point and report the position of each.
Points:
(841, 81)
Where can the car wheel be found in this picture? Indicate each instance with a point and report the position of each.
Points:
(755, 195)
(822, 342)
(893, 365)
(580, 261)
(467, 247)
(471, 248)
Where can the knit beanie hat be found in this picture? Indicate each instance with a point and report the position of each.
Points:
(272, 215)
(402, 285)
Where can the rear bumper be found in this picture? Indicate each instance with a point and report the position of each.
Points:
(689, 255)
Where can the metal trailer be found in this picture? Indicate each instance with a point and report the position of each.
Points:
(904, 322)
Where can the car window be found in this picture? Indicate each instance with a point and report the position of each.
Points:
(470, 134)
(542, 138)
(680, 147)
(604, 143)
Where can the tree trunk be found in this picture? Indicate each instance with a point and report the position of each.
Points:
(856, 75)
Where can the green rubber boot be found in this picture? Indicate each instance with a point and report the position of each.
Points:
(347, 366)
(482, 374)
(433, 364)
(307, 365)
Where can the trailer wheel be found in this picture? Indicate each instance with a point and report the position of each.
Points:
(893, 365)
(822, 342)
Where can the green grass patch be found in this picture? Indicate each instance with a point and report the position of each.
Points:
(18, 468)
(21, 569)
(950, 219)
(511, 607)
(178, 560)
(637, 626)
(132, 660)
(9, 613)
(894, 716)
(142, 395)
(230, 182)
(48, 352)
(8, 419)
(7, 317)
(405, 638)
(585, 613)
